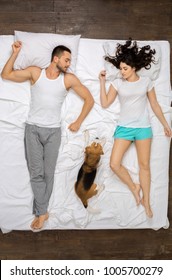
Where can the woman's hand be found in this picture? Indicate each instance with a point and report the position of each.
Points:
(102, 75)
(167, 131)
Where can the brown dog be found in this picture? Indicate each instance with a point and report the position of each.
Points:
(84, 186)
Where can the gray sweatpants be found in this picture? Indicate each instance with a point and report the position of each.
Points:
(42, 147)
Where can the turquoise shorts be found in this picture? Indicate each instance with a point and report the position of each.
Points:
(132, 134)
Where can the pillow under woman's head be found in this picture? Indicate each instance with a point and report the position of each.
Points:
(114, 73)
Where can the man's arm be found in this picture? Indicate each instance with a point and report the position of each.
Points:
(9, 73)
(73, 82)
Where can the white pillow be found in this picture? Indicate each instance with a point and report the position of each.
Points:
(5, 48)
(90, 59)
(114, 73)
(37, 48)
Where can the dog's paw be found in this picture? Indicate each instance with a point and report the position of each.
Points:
(100, 189)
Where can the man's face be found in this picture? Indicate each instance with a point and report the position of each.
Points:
(64, 61)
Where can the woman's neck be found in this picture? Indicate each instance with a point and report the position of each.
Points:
(133, 78)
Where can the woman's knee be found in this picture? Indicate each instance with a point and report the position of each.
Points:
(144, 166)
(114, 166)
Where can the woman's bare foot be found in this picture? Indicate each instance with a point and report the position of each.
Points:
(39, 222)
(136, 193)
(147, 207)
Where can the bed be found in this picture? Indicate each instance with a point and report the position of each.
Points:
(115, 205)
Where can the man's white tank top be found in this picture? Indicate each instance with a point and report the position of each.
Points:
(47, 97)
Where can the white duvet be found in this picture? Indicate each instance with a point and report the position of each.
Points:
(116, 206)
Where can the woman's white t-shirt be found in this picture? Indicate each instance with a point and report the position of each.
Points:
(133, 101)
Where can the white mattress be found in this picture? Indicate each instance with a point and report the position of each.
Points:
(116, 205)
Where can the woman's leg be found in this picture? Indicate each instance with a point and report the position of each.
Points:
(119, 148)
(143, 152)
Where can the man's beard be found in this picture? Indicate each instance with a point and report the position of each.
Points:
(61, 69)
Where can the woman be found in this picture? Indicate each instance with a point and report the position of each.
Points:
(133, 124)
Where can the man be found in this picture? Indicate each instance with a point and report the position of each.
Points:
(42, 133)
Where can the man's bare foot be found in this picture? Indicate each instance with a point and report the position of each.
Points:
(39, 222)
(34, 221)
(136, 193)
(147, 207)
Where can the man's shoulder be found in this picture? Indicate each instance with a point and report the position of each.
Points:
(35, 73)
(71, 80)
(35, 69)
(69, 75)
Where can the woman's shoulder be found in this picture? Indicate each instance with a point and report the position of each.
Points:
(117, 81)
(145, 79)
(147, 82)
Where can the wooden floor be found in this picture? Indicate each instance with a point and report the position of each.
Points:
(81, 244)
(107, 19)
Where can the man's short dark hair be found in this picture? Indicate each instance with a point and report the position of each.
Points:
(58, 51)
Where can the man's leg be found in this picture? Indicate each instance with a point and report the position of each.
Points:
(51, 138)
(51, 150)
(34, 156)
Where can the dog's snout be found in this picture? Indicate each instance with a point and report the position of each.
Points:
(97, 138)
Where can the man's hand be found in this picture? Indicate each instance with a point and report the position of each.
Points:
(16, 46)
(74, 127)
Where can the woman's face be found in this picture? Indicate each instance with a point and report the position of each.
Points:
(126, 70)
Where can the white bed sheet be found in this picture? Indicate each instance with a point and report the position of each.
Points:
(116, 203)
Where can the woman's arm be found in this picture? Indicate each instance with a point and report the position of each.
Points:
(106, 99)
(158, 112)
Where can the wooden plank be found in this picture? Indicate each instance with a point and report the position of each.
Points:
(28, 17)
(26, 6)
(39, 28)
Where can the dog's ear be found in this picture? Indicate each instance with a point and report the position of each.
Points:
(101, 151)
(86, 136)
(103, 141)
(87, 150)
(100, 148)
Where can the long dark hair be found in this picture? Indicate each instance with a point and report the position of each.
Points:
(132, 55)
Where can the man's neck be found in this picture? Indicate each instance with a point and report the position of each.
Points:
(52, 72)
